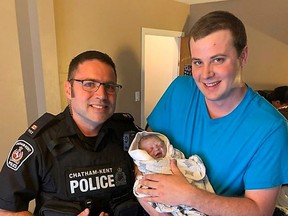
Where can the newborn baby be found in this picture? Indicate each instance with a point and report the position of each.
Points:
(152, 152)
(153, 145)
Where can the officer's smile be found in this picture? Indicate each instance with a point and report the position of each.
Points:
(99, 106)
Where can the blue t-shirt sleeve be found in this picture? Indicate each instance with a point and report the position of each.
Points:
(269, 165)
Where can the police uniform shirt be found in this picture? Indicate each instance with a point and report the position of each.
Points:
(54, 160)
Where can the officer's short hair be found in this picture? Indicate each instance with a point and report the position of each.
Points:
(86, 56)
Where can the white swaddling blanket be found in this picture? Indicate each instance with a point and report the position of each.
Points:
(192, 168)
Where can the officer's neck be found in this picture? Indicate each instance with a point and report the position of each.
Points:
(86, 126)
(88, 130)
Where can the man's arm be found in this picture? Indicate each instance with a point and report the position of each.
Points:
(85, 212)
(175, 190)
(255, 202)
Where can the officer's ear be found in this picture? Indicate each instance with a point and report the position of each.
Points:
(68, 90)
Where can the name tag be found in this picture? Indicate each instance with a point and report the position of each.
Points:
(94, 180)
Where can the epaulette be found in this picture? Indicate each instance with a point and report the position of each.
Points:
(39, 124)
(123, 117)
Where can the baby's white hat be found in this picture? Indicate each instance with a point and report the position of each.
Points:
(139, 154)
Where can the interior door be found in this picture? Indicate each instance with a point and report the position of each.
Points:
(160, 66)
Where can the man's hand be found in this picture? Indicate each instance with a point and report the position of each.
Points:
(86, 213)
(9, 213)
(166, 189)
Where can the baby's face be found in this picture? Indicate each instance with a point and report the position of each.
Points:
(154, 147)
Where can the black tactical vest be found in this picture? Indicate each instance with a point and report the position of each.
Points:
(78, 171)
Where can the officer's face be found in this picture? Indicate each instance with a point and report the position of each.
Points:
(91, 109)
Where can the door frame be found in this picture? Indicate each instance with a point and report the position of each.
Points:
(156, 32)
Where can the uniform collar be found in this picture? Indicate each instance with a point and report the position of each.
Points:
(73, 130)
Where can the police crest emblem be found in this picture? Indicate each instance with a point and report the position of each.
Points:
(18, 154)
(120, 177)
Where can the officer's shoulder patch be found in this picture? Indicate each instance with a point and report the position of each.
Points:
(123, 117)
(40, 123)
(18, 154)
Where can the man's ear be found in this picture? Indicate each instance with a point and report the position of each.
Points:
(68, 90)
(243, 56)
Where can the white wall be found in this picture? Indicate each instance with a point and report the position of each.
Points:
(13, 109)
(267, 65)
(161, 67)
(29, 79)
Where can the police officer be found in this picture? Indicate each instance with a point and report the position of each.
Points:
(75, 160)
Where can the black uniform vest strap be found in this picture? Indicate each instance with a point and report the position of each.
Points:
(39, 124)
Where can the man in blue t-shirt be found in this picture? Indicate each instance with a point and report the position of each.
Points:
(241, 138)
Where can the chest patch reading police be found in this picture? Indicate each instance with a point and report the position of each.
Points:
(93, 180)
(18, 154)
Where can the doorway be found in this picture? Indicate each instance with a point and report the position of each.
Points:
(159, 67)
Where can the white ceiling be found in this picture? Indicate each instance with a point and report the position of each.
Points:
(198, 1)
(269, 17)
